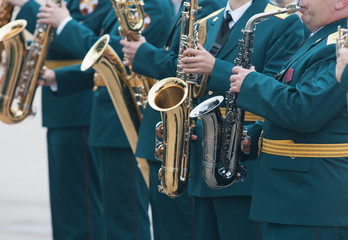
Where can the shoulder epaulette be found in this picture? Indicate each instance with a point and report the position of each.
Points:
(271, 8)
(203, 26)
(332, 38)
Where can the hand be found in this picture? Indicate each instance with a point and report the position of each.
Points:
(194, 137)
(52, 14)
(47, 78)
(246, 145)
(197, 61)
(18, 3)
(130, 49)
(238, 77)
(342, 61)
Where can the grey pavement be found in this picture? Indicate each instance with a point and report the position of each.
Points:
(24, 199)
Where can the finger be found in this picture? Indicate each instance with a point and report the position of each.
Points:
(189, 60)
(200, 47)
(236, 70)
(189, 52)
(194, 137)
(233, 78)
(126, 62)
(123, 42)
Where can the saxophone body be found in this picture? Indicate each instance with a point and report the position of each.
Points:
(173, 98)
(130, 15)
(222, 135)
(22, 70)
(108, 65)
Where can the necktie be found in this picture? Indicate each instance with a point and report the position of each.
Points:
(225, 24)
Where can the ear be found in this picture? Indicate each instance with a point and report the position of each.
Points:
(341, 4)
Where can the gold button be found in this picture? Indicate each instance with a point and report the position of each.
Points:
(210, 93)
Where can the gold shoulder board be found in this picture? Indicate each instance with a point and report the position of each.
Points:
(331, 39)
(202, 32)
(271, 8)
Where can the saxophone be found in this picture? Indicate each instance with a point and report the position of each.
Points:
(23, 67)
(222, 135)
(107, 64)
(6, 10)
(342, 42)
(131, 25)
(173, 98)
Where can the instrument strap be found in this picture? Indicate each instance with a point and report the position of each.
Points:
(219, 41)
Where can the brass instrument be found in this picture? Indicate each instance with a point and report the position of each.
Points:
(342, 42)
(6, 10)
(105, 61)
(222, 135)
(23, 67)
(173, 98)
(130, 15)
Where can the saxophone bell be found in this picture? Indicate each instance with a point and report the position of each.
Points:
(169, 97)
(215, 173)
(13, 38)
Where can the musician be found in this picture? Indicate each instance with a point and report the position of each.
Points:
(341, 68)
(172, 218)
(224, 213)
(302, 167)
(73, 173)
(124, 192)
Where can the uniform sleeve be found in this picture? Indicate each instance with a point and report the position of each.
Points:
(81, 38)
(305, 107)
(149, 56)
(28, 12)
(344, 79)
(285, 40)
(72, 80)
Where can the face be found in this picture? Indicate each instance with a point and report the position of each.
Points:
(317, 13)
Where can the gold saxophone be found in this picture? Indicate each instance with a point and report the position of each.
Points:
(173, 98)
(22, 68)
(6, 10)
(342, 42)
(105, 61)
(131, 20)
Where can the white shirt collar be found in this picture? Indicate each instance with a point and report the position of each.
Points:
(315, 32)
(237, 13)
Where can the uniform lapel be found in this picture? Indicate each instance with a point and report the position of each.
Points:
(213, 26)
(313, 41)
(236, 33)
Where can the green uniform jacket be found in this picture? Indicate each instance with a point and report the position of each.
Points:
(103, 112)
(275, 41)
(344, 79)
(309, 106)
(72, 110)
(161, 63)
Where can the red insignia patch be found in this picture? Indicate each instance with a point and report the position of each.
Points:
(88, 6)
(288, 75)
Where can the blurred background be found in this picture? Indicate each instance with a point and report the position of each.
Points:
(24, 198)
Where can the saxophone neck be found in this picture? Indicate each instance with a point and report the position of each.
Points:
(130, 15)
(260, 17)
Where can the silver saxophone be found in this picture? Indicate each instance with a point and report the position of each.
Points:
(222, 135)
